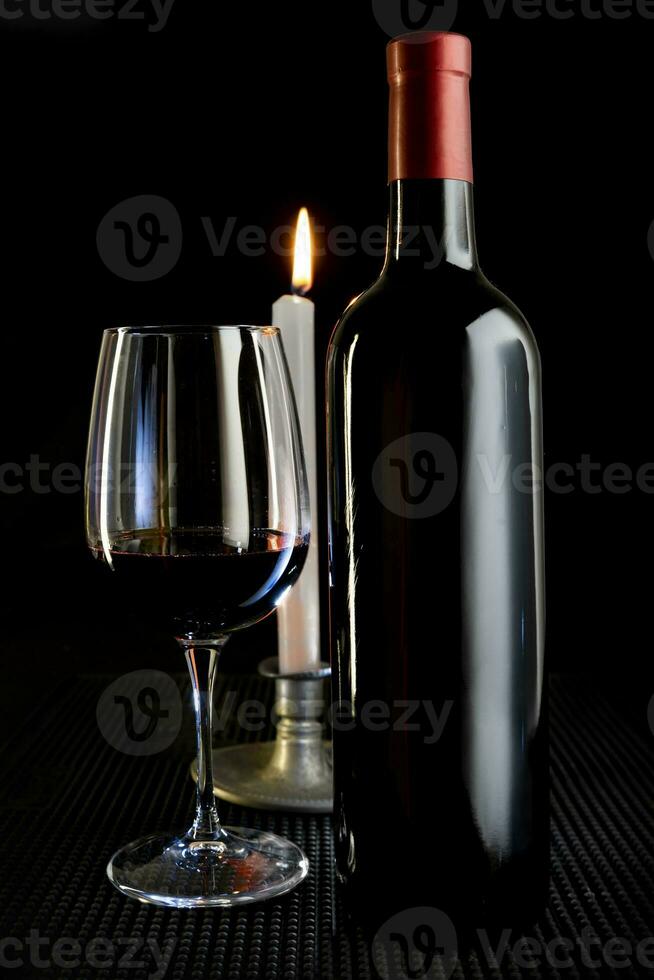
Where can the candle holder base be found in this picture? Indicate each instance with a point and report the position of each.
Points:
(293, 772)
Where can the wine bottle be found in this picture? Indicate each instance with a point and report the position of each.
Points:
(436, 543)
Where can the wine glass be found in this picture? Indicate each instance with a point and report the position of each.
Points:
(197, 502)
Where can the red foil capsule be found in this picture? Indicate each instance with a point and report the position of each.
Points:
(429, 108)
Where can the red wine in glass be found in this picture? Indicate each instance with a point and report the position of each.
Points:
(190, 582)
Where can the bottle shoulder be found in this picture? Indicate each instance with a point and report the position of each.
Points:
(459, 307)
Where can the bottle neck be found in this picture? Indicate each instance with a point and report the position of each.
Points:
(430, 225)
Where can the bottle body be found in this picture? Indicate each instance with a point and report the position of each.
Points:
(437, 588)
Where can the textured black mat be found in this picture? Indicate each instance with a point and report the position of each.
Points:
(69, 799)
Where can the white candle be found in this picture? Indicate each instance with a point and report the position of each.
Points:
(299, 615)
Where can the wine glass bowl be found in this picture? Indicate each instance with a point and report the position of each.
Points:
(196, 490)
(197, 504)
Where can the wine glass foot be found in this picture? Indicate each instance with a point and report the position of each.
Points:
(239, 865)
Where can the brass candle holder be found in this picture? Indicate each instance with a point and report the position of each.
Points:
(293, 772)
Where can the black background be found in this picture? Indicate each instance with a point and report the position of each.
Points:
(249, 111)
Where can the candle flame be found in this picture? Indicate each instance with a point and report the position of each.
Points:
(302, 266)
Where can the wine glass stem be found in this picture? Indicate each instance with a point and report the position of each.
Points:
(202, 663)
